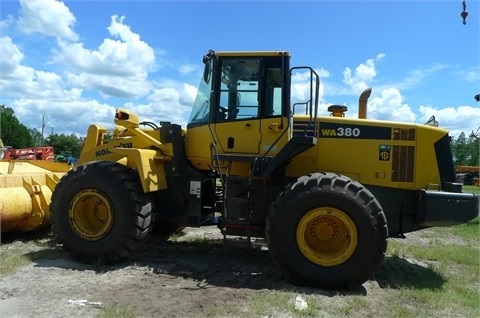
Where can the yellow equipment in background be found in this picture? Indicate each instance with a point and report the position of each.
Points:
(26, 187)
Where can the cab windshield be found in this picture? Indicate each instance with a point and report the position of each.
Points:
(201, 106)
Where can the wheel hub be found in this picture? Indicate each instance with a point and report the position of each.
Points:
(327, 236)
(324, 231)
(90, 215)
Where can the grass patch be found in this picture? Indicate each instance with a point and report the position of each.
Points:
(175, 236)
(24, 250)
(471, 189)
(467, 231)
(197, 242)
(452, 265)
(10, 262)
(271, 303)
(117, 311)
(437, 249)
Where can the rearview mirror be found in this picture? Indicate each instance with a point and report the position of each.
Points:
(206, 72)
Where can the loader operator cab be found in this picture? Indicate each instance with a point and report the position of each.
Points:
(243, 101)
(241, 87)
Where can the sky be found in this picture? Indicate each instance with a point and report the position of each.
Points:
(68, 64)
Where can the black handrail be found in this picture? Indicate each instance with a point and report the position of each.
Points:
(311, 107)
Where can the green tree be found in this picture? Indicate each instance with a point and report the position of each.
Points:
(65, 145)
(12, 132)
(473, 149)
(459, 149)
(36, 137)
(466, 150)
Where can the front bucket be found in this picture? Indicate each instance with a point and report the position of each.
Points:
(25, 192)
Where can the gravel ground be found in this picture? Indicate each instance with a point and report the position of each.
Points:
(197, 275)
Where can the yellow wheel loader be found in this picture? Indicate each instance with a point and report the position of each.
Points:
(324, 191)
(26, 187)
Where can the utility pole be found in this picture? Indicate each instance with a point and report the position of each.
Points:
(1, 142)
(2, 151)
(1, 110)
(43, 127)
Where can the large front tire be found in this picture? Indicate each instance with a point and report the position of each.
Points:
(327, 230)
(99, 212)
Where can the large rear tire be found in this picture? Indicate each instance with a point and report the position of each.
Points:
(99, 212)
(327, 230)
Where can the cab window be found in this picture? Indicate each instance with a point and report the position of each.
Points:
(239, 89)
(273, 94)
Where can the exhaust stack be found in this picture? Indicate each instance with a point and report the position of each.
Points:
(362, 103)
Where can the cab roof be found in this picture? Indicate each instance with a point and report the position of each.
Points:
(252, 53)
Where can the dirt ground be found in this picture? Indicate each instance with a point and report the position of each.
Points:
(183, 278)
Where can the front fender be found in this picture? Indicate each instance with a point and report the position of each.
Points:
(150, 165)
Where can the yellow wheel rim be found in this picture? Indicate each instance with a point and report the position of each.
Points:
(327, 236)
(90, 214)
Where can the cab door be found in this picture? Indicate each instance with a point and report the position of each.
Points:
(237, 117)
(239, 136)
(250, 113)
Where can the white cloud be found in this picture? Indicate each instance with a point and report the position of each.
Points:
(456, 119)
(124, 57)
(190, 92)
(47, 17)
(7, 22)
(417, 76)
(363, 75)
(389, 106)
(18, 80)
(167, 104)
(35, 93)
(118, 68)
(107, 86)
(8, 65)
(187, 68)
(469, 75)
(72, 115)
